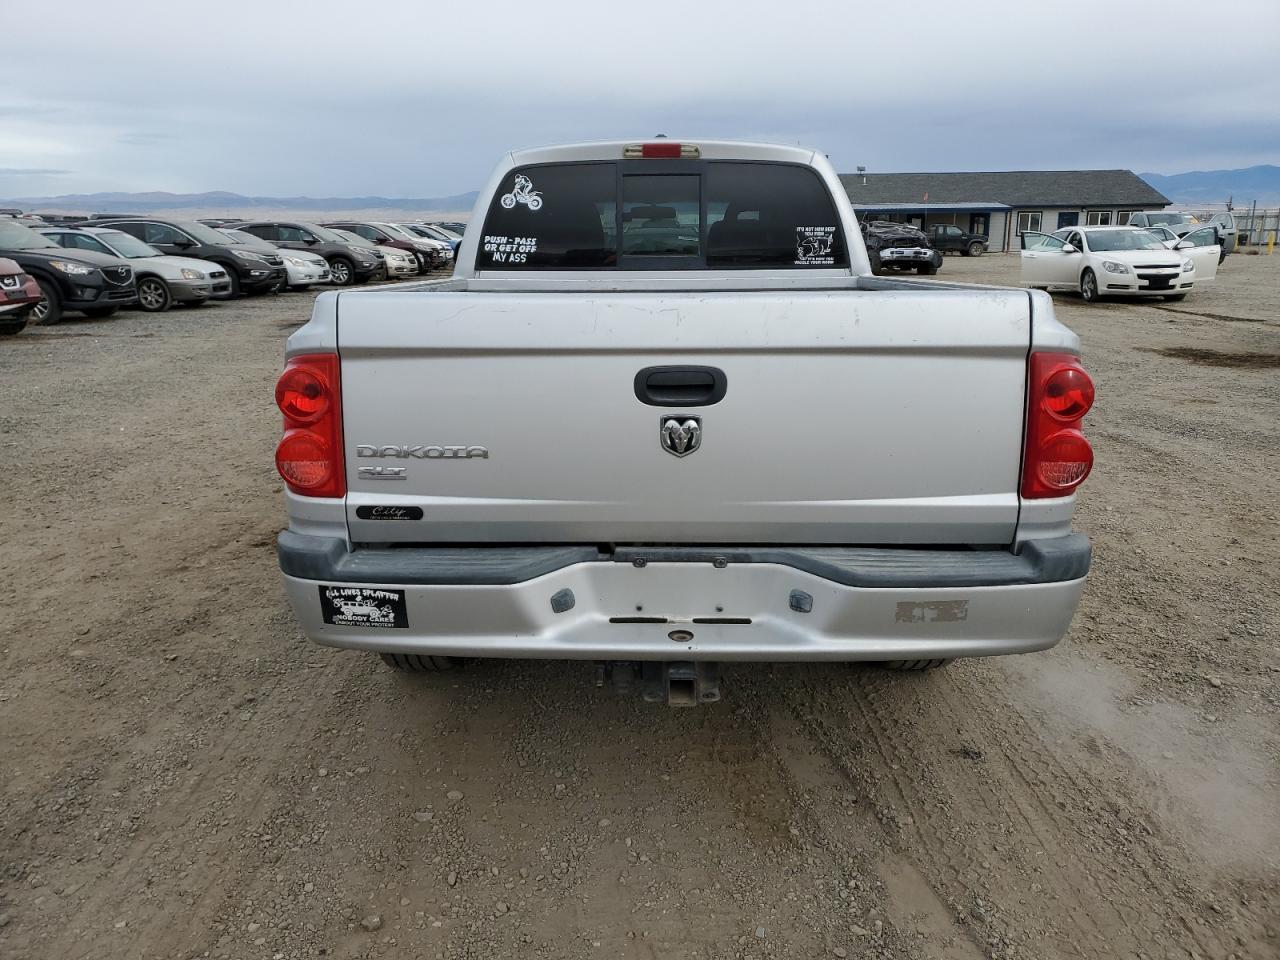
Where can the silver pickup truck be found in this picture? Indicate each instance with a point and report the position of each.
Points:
(663, 417)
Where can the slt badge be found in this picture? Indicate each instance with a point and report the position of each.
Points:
(681, 435)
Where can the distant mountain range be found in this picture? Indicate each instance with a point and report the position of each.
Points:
(1260, 183)
(231, 203)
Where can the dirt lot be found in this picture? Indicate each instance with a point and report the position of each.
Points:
(182, 775)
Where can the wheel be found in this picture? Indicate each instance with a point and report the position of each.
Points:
(417, 663)
(975, 249)
(926, 269)
(1175, 297)
(876, 266)
(341, 272)
(914, 666)
(235, 282)
(535, 203)
(100, 313)
(1089, 287)
(508, 201)
(49, 310)
(154, 295)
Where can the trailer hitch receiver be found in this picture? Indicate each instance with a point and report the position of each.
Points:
(678, 683)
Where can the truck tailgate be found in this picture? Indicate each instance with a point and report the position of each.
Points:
(850, 416)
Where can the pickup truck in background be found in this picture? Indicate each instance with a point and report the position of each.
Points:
(664, 417)
(899, 246)
(948, 237)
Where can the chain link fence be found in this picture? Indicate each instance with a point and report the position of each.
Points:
(1256, 226)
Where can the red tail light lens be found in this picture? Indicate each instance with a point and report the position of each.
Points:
(661, 150)
(303, 459)
(309, 457)
(1057, 458)
(301, 394)
(1068, 393)
(1065, 460)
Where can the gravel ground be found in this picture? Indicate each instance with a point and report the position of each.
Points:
(182, 775)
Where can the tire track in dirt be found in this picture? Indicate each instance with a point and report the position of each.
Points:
(1105, 888)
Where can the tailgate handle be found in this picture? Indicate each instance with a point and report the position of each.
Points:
(680, 386)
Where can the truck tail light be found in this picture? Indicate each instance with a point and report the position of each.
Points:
(661, 150)
(309, 457)
(1057, 457)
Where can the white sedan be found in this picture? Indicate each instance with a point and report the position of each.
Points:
(1108, 261)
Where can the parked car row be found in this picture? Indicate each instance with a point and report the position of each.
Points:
(100, 264)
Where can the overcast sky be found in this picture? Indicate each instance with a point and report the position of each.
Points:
(400, 98)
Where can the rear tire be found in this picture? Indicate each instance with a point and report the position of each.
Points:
(234, 293)
(926, 270)
(975, 249)
(914, 666)
(418, 663)
(873, 256)
(50, 311)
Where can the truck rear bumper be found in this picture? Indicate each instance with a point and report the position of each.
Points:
(774, 604)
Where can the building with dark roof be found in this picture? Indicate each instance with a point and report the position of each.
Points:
(1000, 205)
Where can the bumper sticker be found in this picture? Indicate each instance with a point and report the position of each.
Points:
(363, 607)
(932, 611)
(388, 512)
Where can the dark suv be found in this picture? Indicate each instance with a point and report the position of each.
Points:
(250, 271)
(95, 284)
(347, 264)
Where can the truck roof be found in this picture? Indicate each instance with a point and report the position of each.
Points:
(708, 149)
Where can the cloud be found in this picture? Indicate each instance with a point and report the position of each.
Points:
(422, 100)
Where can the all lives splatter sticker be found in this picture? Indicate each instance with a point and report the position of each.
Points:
(363, 607)
(813, 245)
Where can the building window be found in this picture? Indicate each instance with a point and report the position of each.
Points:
(1097, 218)
(1029, 220)
(1122, 218)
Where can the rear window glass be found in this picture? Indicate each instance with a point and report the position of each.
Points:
(661, 216)
(681, 215)
(559, 217)
(770, 215)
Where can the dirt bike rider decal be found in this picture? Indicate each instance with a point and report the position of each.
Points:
(523, 192)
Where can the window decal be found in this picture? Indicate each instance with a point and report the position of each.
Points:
(813, 245)
(510, 249)
(523, 192)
